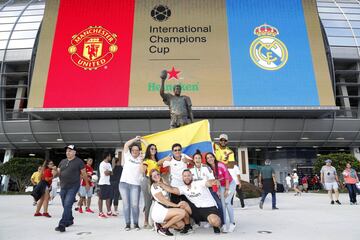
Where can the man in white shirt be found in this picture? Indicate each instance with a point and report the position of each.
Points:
(234, 171)
(177, 162)
(202, 204)
(105, 191)
(288, 182)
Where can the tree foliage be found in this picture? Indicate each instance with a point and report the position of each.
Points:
(339, 161)
(20, 170)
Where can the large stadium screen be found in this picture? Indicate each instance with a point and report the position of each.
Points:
(110, 53)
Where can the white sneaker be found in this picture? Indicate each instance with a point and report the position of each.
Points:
(224, 229)
(207, 225)
(243, 208)
(231, 227)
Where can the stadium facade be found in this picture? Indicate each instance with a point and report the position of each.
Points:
(36, 123)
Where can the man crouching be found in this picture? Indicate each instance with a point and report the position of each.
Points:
(202, 204)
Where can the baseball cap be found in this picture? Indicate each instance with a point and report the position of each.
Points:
(328, 161)
(223, 136)
(72, 147)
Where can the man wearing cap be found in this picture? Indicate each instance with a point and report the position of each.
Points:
(267, 182)
(69, 171)
(180, 106)
(330, 180)
(222, 152)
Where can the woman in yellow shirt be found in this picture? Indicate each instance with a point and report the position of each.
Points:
(149, 163)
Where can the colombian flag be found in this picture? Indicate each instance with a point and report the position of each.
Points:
(191, 137)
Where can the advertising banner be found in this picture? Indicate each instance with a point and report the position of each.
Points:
(109, 54)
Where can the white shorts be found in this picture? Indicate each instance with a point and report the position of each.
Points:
(158, 213)
(84, 193)
(331, 186)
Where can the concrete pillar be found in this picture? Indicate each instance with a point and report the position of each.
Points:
(5, 179)
(19, 102)
(356, 153)
(118, 153)
(244, 164)
(345, 101)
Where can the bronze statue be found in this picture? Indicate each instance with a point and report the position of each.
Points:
(180, 106)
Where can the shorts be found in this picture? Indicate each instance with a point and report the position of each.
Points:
(331, 186)
(105, 192)
(296, 184)
(158, 213)
(202, 214)
(84, 193)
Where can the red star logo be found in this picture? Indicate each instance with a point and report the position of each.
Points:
(173, 73)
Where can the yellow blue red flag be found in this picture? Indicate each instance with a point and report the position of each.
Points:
(191, 137)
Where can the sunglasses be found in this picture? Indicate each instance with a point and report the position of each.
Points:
(177, 150)
(223, 140)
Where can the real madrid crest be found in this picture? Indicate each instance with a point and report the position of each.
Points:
(93, 47)
(267, 51)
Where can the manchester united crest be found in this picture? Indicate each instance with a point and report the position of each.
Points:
(93, 48)
(267, 51)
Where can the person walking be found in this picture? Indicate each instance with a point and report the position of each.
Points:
(46, 176)
(234, 170)
(305, 183)
(85, 196)
(130, 181)
(351, 178)
(288, 182)
(35, 179)
(69, 171)
(114, 182)
(267, 182)
(329, 179)
(295, 179)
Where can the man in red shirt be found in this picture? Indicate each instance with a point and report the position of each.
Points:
(85, 195)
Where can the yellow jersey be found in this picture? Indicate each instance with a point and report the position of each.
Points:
(36, 177)
(150, 164)
(224, 155)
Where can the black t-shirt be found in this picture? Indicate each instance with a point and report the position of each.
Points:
(115, 177)
(70, 172)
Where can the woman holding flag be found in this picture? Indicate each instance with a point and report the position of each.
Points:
(130, 181)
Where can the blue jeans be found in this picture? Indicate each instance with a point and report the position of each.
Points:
(219, 205)
(352, 192)
(67, 199)
(130, 195)
(273, 198)
(226, 203)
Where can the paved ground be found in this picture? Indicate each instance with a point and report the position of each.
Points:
(307, 217)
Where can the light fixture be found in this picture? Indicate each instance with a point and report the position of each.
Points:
(340, 138)
(32, 154)
(59, 139)
(25, 140)
(258, 150)
(315, 146)
(304, 138)
(278, 147)
(341, 150)
(318, 154)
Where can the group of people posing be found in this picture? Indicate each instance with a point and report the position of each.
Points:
(178, 190)
(192, 191)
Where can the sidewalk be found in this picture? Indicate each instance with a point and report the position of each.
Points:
(309, 216)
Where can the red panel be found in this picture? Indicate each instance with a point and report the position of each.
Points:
(92, 69)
